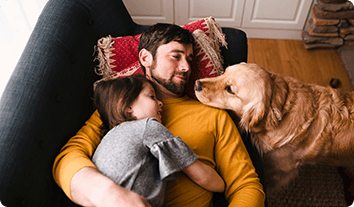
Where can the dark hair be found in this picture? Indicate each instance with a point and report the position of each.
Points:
(113, 97)
(160, 34)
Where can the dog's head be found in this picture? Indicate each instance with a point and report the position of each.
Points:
(243, 88)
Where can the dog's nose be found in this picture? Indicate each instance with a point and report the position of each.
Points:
(198, 86)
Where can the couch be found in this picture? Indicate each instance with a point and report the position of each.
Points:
(49, 95)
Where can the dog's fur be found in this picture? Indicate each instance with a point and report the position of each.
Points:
(291, 123)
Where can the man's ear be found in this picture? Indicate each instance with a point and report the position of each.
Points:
(145, 58)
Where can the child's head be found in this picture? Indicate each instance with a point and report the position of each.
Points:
(126, 99)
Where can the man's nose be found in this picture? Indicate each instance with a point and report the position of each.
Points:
(185, 65)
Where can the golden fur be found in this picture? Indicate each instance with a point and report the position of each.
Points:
(291, 123)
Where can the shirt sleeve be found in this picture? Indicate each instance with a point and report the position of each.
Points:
(77, 152)
(172, 152)
(243, 187)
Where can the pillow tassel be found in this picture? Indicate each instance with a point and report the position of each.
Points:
(104, 54)
(215, 32)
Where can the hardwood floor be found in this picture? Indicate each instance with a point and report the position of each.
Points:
(289, 57)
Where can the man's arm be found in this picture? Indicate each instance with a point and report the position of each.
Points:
(75, 173)
(243, 187)
(77, 152)
(90, 188)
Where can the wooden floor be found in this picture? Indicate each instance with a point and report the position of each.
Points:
(289, 57)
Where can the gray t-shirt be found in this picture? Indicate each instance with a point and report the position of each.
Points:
(141, 155)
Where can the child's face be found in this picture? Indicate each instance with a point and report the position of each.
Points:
(147, 105)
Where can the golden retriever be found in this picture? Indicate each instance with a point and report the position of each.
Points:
(291, 122)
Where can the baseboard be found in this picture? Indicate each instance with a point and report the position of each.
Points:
(272, 33)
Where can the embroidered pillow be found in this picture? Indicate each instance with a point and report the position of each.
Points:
(118, 56)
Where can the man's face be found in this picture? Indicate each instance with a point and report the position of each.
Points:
(171, 67)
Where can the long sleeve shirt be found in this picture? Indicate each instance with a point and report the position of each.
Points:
(208, 131)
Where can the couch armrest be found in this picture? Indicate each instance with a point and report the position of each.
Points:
(237, 50)
(48, 96)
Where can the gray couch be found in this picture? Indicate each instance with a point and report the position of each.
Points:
(48, 97)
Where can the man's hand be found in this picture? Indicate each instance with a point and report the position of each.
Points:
(91, 188)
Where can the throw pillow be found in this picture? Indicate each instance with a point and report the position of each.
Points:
(118, 56)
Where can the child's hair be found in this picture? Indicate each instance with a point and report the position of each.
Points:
(113, 97)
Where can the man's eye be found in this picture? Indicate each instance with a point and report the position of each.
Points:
(228, 89)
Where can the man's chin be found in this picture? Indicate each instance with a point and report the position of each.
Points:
(177, 90)
(180, 87)
(174, 85)
(180, 83)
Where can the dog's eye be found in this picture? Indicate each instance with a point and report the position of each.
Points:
(228, 89)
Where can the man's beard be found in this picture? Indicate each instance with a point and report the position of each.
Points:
(170, 85)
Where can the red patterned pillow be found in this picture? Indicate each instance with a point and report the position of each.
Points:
(118, 57)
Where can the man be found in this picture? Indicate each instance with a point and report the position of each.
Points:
(166, 53)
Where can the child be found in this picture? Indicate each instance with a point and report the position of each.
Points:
(138, 152)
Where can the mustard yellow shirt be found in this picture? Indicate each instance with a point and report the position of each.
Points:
(211, 134)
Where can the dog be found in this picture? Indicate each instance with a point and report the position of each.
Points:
(291, 123)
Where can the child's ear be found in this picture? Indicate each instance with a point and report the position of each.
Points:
(129, 109)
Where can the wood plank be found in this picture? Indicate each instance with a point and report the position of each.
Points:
(289, 57)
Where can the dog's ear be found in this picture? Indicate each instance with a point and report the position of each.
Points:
(277, 102)
(253, 113)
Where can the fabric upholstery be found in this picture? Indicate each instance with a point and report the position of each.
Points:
(49, 95)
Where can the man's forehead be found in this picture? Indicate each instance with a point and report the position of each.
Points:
(175, 46)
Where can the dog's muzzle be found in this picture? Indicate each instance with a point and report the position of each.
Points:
(198, 86)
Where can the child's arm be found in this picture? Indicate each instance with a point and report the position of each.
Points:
(205, 176)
